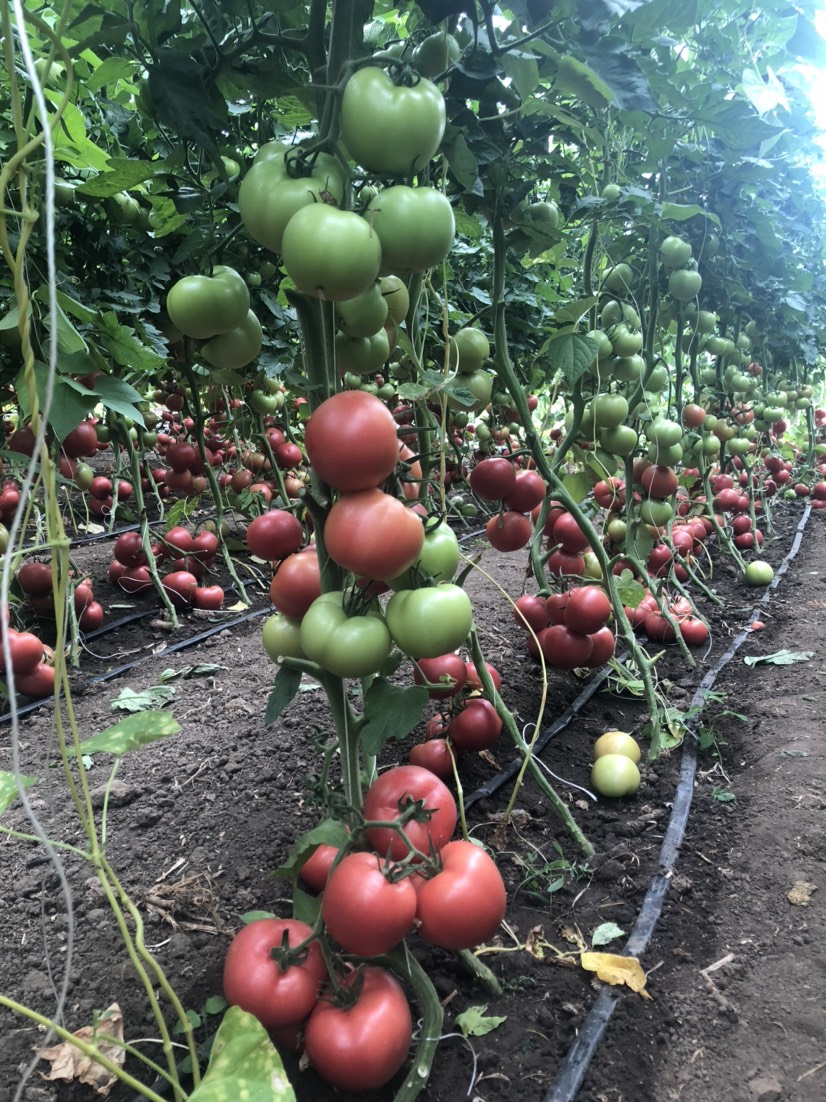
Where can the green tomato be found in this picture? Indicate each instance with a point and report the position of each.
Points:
(415, 226)
(468, 350)
(282, 638)
(611, 192)
(263, 403)
(347, 646)
(617, 742)
(391, 129)
(480, 385)
(675, 252)
(439, 559)
(397, 297)
(436, 53)
(608, 411)
(628, 369)
(664, 432)
(235, 349)
(362, 355)
(758, 572)
(615, 775)
(330, 254)
(625, 341)
(619, 280)
(684, 284)
(270, 194)
(364, 315)
(657, 513)
(621, 440)
(665, 456)
(203, 306)
(428, 622)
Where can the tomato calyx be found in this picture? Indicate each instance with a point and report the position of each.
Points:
(286, 955)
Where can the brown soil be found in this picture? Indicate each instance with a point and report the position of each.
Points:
(198, 822)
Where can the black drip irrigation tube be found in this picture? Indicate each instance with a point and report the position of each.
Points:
(570, 1077)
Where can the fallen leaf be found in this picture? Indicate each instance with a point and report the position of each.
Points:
(801, 893)
(474, 1022)
(607, 931)
(70, 1064)
(780, 658)
(614, 969)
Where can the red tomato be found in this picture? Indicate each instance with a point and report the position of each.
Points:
(569, 535)
(463, 904)
(659, 482)
(435, 755)
(351, 441)
(493, 479)
(257, 982)
(82, 440)
(509, 531)
(555, 606)
(694, 631)
(604, 644)
(297, 583)
(209, 597)
(530, 612)
(373, 534)
(361, 1046)
(528, 491)
(275, 535)
(474, 682)
(26, 652)
(180, 585)
(179, 539)
(563, 563)
(38, 683)
(132, 579)
(392, 794)
(448, 670)
(91, 618)
(564, 648)
(476, 727)
(588, 609)
(364, 910)
(35, 578)
(316, 868)
(205, 546)
(128, 549)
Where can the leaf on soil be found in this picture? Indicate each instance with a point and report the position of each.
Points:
(253, 916)
(473, 1022)
(801, 893)
(131, 733)
(152, 697)
(391, 712)
(614, 969)
(244, 1064)
(284, 689)
(8, 788)
(191, 671)
(240, 606)
(70, 1064)
(780, 658)
(608, 931)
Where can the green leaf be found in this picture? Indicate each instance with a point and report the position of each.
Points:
(254, 916)
(186, 672)
(132, 732)
(572, 354)
(681, 212)
(629, 591)
(195, 1021)
(575, 311)
(780, 658)
(68, 407)
(605, 933)
(110, 71)
(215, 1004)
(284, 689)
(115, 394)
(474, 1022)
(130, 701)
(8, 788)
(126, 349)
(462, 162)
(329, 832)
(78, 310)
(579, 484)
(244, 1064)
(123, 173)
(391, 712)
(522, 70)
(306, 907)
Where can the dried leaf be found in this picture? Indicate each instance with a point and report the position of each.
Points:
(70, 1064)
(614, 969)
(801, 893)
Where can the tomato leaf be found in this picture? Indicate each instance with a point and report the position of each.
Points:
(608, 931)
(306, 907)
(780, 658)
(191, 671)
(131, 733)
(629, 590)
(123, 173)
(8, 788)
(329, 832)
(391, 712)
(615, 970)
(130, 701)
(244, 1064)
(473, 1022)
(284, 689)
(253, 916)
(571, 353)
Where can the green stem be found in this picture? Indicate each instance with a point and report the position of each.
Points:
(408, 968)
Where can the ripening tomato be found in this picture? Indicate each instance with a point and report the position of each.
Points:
(528, 491)
(588, 609)
(394, 791)
(373, 534)
(434, 754)
(569, 535)
(297, 583)
(447, 670)
(530, 612)
(360, 1045)
(492, 479)
(462, 905)
(364, 909)
(351, 441)
(256, 981)
(564, 648)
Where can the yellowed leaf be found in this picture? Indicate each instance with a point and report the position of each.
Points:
(239, 606)
(70, 1064)
(614, 969)
(801, 893)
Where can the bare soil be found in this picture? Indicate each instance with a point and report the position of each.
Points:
(198, 822)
